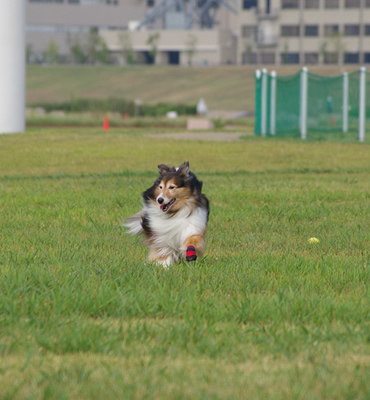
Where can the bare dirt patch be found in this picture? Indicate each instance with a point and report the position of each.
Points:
(208, 136)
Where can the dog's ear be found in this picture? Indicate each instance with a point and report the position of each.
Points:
(184, 168)
(163, 169)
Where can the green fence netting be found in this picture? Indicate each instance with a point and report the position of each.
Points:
(331, 104)
(287, 104)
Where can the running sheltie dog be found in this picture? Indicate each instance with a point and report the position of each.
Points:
(174, 216)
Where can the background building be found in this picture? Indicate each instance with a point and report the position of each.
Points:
(238, 32)
(305, 32)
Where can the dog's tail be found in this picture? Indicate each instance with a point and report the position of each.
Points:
(133, 223)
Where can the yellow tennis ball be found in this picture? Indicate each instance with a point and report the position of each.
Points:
(313, 240)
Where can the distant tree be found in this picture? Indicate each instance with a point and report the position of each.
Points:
(96, 48)
(248, 51)
(152, 41)
(334, 42)
(76, 52)
(127, 50)
(322, 50)
(285, 58)
(29, 53)
(337, 43)
(51, 54)
(102, 53)
(91, 45)
(191, 43)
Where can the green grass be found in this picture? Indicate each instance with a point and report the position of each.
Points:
(151, 85)
(95, 120)
(265, 315)
(223, 88)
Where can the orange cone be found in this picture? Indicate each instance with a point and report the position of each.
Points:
(106, 123)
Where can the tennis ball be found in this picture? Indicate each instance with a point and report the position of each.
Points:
(313, 240)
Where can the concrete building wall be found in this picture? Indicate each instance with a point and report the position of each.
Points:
(198, 47)
(108, 15)
(264, 34)
(54, 21)
(255, 45)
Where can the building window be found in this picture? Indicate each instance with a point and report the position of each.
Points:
(351, 58)
(311, 58)
(46, 1)
(331, 58)
(289, 58)
(268, 58)
(311, 4)
(174, 57)
(367, 58)
(248, 30)
(311, 30)
(352, 30)
(74, 1)
(352, 3)
(249, 58)
(330, 30)
(150, 3)
(289, 4)
(331, 3)
(367, 30)
(290, 30)
(248, 4)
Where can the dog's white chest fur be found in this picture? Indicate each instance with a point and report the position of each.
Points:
(169, 231)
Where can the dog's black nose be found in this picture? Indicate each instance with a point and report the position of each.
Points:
(160, 200)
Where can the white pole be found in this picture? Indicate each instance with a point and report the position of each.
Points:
(303, 105)
(345, 102)
(258, 101)
(273, 104)
(362, 111)
(264, 103)
(12, 66)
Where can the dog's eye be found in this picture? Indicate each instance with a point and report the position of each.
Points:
(171, 187)
(160, 187)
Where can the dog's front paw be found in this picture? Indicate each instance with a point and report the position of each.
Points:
(191, 254)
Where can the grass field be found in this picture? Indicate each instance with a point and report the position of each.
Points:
(265, 315)
(223, 88)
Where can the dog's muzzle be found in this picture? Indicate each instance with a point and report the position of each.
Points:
(165, 206)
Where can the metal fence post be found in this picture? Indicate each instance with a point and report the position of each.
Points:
(273, 104)
(264, 103)
(303, 104)
(345, 102)
(362, 111)
(257, 116)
